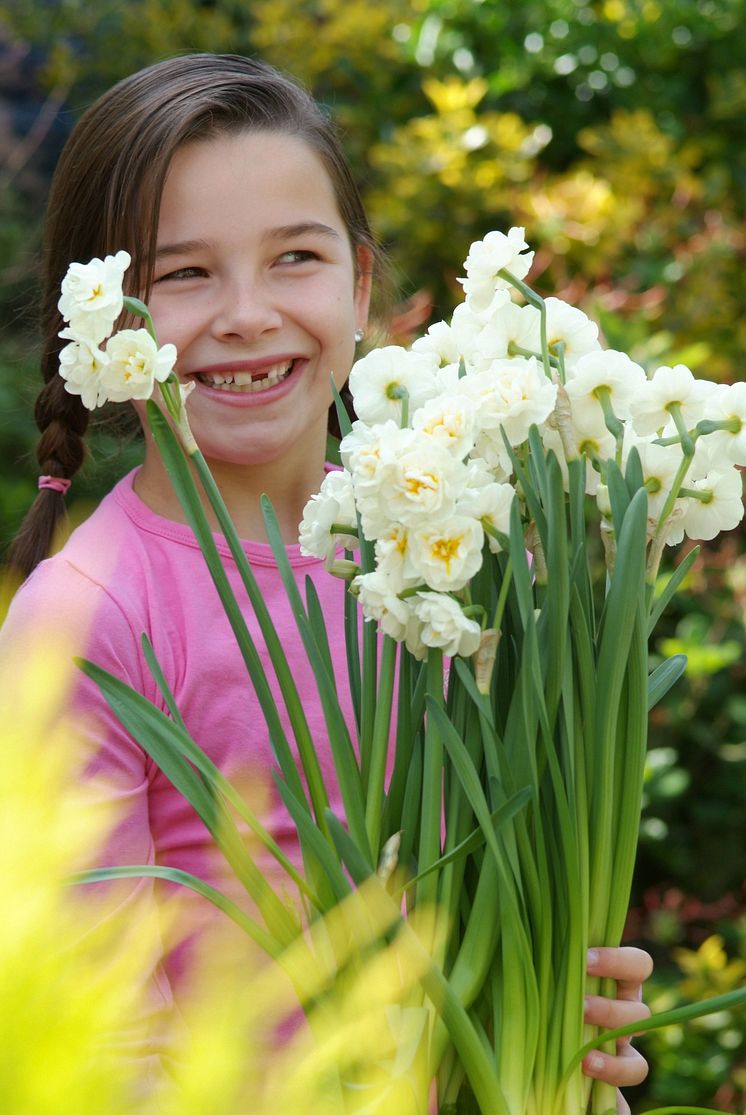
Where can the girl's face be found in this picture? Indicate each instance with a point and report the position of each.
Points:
(257, 286)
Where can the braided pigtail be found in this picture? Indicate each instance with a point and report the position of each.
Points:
(62, 421)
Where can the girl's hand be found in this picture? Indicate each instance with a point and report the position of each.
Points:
(629, 967)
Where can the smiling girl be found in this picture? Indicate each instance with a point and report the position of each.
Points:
(227, 185)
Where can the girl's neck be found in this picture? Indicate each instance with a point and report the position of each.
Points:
(241, 487)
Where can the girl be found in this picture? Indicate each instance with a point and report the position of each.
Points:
(227, 186)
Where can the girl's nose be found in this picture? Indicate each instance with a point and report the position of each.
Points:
(244, 312)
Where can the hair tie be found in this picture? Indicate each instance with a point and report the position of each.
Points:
(54, 483)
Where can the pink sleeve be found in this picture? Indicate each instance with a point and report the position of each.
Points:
(65, 613)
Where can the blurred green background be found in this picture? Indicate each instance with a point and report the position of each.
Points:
(615, 132)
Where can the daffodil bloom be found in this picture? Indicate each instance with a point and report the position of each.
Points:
(332, 505)
(444, 625)
(134, 365)
(487, 258)
(82, 366)
(651, 408)
(91, 298)
(387, 378)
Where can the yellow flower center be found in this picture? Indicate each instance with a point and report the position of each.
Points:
(417, 484)
(445, 550)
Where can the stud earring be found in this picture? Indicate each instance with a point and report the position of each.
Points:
(359, 334)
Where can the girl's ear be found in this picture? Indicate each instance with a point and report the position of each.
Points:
(363, 284)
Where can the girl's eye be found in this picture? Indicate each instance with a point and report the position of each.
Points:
(298, 255)
(181, 273)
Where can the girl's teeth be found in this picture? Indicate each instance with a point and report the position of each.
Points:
(245, 383)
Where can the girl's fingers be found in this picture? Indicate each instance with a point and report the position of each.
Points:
(610, 1013)
(630, 967)
(624, 1070)
(622, 1107)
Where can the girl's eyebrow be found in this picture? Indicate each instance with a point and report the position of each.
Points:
(282, 232)
(181, 247)
(303, 228)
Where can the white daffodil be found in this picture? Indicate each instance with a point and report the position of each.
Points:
(135, 363)
(446, 555)
(454, 341)
(381, 380)
(491, 452)
(332, 504)
(727, 404)
(402, 476)
(444, 625)
(512, 395)
(599, 379)
(82, 366)
(490, 504)
(380, 603)
(722, 507)
(509, 327)
(486, 258)
(91, 299)
(660, 467)
(651, 408)
(392, 557)
(451, 419)
(569, 327)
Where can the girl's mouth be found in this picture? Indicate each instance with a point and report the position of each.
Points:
(248, 383)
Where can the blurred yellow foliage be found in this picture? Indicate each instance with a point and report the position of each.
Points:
(314, 40)
(708, 969)
(69, 995)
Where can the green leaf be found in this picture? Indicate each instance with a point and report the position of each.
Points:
(182, 479)
(662, 678)
(671, 586)
(345, 761)
(354, 858)
(477, 838)
(215, 778)
(315, 845)
(165, 742)
(185, 879)
(729, 1001)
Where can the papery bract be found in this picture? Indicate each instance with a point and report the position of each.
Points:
(135, 363)
(91, 299)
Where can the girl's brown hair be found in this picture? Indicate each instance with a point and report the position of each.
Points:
(106, 195)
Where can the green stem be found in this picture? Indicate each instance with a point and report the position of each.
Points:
(533, 299)
(380, 746)
(673, 495)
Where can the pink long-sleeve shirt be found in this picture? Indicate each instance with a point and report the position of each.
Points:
(126, 571)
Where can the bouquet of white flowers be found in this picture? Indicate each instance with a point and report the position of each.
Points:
(506, 494)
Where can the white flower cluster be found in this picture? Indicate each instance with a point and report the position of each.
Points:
(427, 474)
(130, 363)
